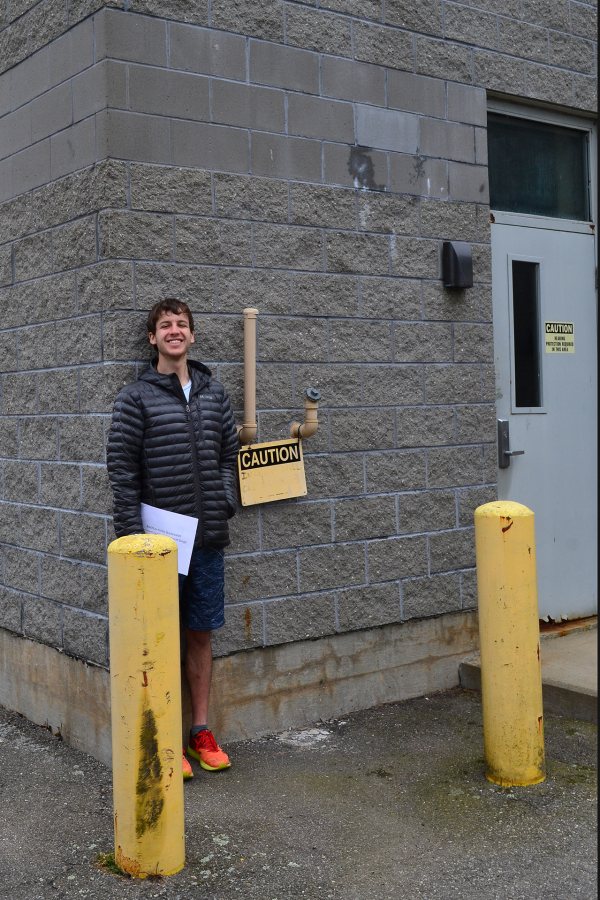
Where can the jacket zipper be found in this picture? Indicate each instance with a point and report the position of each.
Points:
(197, 485)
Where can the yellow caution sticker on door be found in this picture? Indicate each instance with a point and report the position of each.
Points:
(271, 471)
(559, 337)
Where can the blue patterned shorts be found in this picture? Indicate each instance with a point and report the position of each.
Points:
(202, 591)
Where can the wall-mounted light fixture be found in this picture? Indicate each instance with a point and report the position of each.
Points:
(457, 264)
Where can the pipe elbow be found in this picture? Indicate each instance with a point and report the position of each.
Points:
(310, 425)
(247, 433)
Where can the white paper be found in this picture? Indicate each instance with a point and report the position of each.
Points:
(181, 528)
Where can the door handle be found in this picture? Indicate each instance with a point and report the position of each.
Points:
(504, 454)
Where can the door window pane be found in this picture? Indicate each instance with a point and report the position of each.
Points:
(537, 168)
(526, 331)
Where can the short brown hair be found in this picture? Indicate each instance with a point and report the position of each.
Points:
(169, 304)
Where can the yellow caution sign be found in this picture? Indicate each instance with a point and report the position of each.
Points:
(559, 337)
(271, 471)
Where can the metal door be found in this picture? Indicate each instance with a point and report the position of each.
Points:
(545, 354)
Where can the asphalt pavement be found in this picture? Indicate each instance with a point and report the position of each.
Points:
(386, 803)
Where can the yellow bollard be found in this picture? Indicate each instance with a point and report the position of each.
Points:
(511, 675)
(145, 680)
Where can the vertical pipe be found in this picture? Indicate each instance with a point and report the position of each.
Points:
(145, 682)
(247, 433)
(511, 679)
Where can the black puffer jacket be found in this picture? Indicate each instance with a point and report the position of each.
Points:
(176, 455)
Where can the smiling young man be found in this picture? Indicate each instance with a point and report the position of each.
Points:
(173, 444)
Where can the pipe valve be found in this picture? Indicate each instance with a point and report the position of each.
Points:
(307, 428)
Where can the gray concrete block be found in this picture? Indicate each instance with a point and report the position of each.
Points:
(333, 295)
(284, 67)
(207, 52)
(427, 511)
(455, 466)
(52, 111)
(124, 336)
(453, 384)
(33, 256)
(82, 438)
(585, 93)
(390, 298)
(269, 291)
(369, 429)
(349, 80)
(287, 246)
(105, 285)
(475, 424)
(60, 485)
(135, 235)
(216, 242)
(96, 495)
(336, 565)
(244, 527)
(395, 558)
(11, 609)
(423, 342)
(440, 303)
(99, 386)
(520, 39)
(468, 589)
(325, 206)
(430, 596)
(290, 525)
(367, 254)
(425, 16)
(83, 537)
(468, 182)
(360, 341)
(286, 157)
(424, 426)
(415, 257)
(287, 340)
(93, 589)
(100, 85)
(170, 189)
(368, 607)
(9, 434)
(37, 347)
(268, 575)
(184, 10)
(210, 146)
(243, 629)
(553, 14)
(70, 53)
(449, 140)
(312, 29)
(302, 618)
(340, 385)
(497, 72)
(134, 136)
(162, 92)
(74, 245)
(241, 197)
(362, 9)
(16, 218)
(20, 481)
(60, 580)
(334, 475)
(16, 131)
(30, 168)
(397, 471)
(416, 93)
(452, 550)
(121, 35)
(387, 129)
(85, 636)
(544, 83)
(388, 213)
(58, 390)
(471, 26)
(473, 343)
(42, 621)
(358, 167)
(247, 106)
(264, 20)
(19, 394)
(73, 148)
(365, 517)
(313, 117)
(193, 284)
(10, 521)
(443, 59)
(6, 274)
(467, 104)
(455, 221)
(39, 529)
(21, 569)
(583, 20)
(383, 46)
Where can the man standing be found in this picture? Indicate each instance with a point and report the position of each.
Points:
(173, 444)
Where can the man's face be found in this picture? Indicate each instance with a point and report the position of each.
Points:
(173, 336)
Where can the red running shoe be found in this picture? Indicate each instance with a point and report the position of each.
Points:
(205, 749)
(187, 769)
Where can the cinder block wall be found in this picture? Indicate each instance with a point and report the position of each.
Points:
(305, 158)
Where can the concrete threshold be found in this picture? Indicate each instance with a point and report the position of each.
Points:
(569, 656)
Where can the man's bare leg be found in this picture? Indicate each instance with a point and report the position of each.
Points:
(198, 671)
